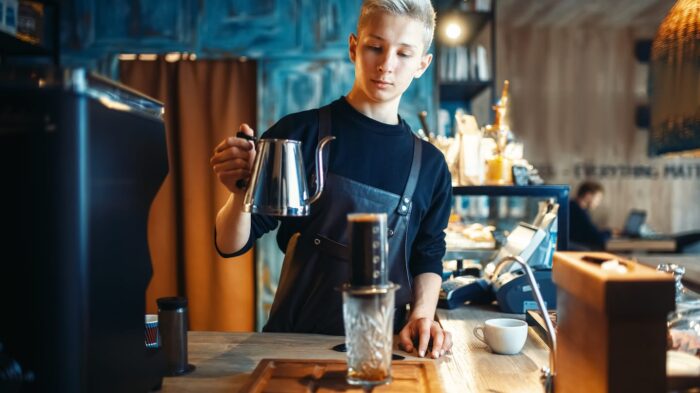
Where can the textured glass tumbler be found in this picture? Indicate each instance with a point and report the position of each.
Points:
(368, 314)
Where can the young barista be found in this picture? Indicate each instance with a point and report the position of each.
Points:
(375, 164)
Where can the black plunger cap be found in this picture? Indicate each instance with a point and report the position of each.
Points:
(171, 303)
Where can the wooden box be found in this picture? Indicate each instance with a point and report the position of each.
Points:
(611, 325)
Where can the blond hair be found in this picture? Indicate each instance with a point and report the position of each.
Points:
(420, 10)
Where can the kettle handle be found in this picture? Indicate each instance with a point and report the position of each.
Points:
(242, 184)
(320, 173)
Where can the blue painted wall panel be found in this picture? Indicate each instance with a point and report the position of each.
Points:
(107, 26)
(326, 25)
(292, 85)
(251, 28)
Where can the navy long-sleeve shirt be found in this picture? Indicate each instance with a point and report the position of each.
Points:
(379, 155)
(583, 231)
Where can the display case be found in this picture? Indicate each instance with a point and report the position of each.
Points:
(483, 216)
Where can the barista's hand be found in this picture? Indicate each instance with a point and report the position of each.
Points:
(427, 333)
(233, 160)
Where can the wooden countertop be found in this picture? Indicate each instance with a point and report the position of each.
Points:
(640, 245)
(225, 361)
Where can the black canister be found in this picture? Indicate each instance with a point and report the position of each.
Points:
(172, 321)
(369, 247)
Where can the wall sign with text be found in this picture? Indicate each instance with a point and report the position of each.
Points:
(671, 171)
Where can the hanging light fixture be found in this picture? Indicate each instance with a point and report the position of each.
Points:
(458, 23)
(675, 82)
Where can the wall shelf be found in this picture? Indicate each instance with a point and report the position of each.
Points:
(37, 33)
(465, 66)
(462, 91)
(14, 46)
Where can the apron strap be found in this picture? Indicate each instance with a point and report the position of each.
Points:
(405, 203)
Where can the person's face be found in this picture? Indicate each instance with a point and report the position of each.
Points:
(388, 54)
(596, 198)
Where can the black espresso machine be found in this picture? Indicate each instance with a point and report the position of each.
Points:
(81, 160)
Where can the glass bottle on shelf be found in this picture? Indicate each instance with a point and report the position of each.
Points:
(498, 167)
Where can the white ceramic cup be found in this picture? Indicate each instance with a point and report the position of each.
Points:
(503, 335)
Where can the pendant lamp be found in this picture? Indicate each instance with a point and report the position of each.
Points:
(675, 82)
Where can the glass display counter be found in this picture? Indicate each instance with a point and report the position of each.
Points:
(483, 216)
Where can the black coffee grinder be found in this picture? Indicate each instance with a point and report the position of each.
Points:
(81, 159)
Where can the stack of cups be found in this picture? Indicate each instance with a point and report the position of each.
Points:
(368, 302)
(152, 336)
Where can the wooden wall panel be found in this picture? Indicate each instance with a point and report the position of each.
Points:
(574, 90)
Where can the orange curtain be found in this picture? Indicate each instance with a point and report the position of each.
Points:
(205, 101)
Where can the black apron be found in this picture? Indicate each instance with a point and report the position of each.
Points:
(316, 262)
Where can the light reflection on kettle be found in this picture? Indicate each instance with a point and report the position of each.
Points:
(277, 184)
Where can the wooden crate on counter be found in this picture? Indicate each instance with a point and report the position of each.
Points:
(611, 324)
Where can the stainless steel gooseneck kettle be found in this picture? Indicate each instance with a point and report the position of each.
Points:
(278, 181)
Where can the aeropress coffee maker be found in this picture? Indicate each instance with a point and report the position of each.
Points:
(368, 302)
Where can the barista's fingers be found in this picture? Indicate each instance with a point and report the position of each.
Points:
(231, 153)
(438, 339)
(423, 335)
(447, 344)
(250, 146)
(240, 173)
(223, 144)
(405, 341)
(233, 142)
(233, 176)
(229, 165)
(246, 129)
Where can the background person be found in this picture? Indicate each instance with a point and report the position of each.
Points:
(583, 233)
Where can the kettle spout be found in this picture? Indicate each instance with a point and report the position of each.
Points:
(320, 172)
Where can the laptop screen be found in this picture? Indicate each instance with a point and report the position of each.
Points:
(635, 220)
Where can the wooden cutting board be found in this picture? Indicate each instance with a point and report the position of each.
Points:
(325, 375)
